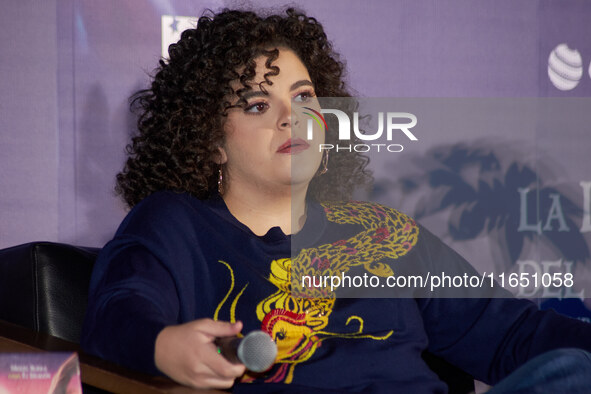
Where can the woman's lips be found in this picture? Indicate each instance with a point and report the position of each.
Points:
(293, 146)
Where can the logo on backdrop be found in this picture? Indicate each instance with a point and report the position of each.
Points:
(565, 67)
(479, 190)
(171, 28)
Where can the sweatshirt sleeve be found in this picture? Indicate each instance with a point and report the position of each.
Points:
(133, 292)
(491, 337)
(128, 307)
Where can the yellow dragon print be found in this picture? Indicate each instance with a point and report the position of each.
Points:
(297, 323)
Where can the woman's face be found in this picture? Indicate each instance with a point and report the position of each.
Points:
(266, 145)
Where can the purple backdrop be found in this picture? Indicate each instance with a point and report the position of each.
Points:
(68, 67)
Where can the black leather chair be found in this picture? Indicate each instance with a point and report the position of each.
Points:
(44, 286)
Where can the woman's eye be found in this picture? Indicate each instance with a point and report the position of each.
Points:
(256, 108)
(303, 97)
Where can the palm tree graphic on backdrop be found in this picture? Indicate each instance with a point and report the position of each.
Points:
(481, 187)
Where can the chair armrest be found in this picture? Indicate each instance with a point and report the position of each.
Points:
(94, 371)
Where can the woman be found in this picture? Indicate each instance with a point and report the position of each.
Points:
(223, 184)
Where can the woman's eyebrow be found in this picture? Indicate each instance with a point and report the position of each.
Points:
(258, 93)
(253, 93)
(303, 82)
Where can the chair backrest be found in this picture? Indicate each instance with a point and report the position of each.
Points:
(44, 286)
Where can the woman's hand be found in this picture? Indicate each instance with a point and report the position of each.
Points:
(187, 354)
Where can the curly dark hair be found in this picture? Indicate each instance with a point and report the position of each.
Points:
(181, 115)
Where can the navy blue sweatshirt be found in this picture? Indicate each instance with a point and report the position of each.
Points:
(176, 258)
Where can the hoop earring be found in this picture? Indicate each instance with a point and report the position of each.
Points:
(324, 163)
(220, 181)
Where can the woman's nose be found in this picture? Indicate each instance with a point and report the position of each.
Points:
(288, 118)
(286, 122)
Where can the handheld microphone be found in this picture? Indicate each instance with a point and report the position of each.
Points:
(256, 350)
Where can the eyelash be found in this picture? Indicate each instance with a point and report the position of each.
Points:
(249, 108)
(310, 94)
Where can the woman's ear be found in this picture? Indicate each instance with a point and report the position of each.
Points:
(221, 157)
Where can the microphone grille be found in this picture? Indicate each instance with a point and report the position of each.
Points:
(257, 351)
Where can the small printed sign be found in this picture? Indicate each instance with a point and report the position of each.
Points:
(50, 373)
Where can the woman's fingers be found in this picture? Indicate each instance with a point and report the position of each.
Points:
(187, 353)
